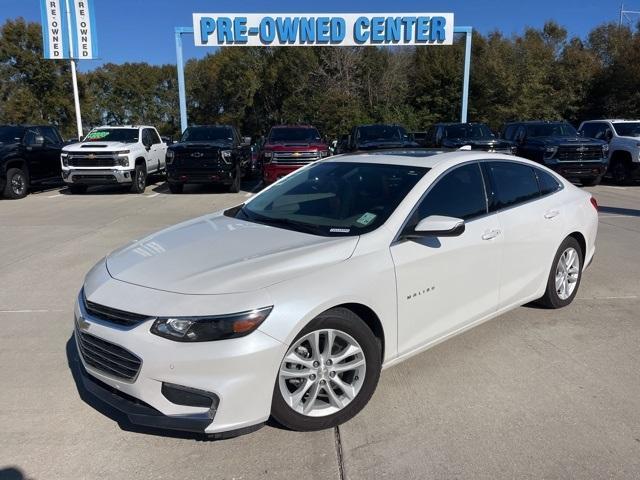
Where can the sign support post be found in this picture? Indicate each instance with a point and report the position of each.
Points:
(74, 76)
(468, 31)
(179, 31)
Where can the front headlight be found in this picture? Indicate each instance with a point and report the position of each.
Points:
(65, 159)
(226, 156)
(323, 153)
(267, 156)
(207, 329)
(122, 158)
(170, 156)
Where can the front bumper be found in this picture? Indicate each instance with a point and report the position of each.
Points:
(217, 176)
(240, 373)
(272, 172)
(579, 169)
(105, 176)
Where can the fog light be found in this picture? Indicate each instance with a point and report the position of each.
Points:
(126, 174)
(190, 397)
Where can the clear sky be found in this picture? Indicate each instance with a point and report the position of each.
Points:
(142, 30)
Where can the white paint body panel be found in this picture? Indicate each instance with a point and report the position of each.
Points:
(217, 265)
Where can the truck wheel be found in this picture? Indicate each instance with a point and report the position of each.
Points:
(590, 181)
(139, 179)
(77, 189)
(176, 187)
(235, 186)
(17, 184)
(621, 172)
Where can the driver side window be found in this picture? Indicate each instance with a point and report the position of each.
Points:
(459, 194)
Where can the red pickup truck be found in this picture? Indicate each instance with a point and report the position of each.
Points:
(289, 147)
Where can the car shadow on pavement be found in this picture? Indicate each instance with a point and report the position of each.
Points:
(75, 366)
(628, 212)
(12, 473)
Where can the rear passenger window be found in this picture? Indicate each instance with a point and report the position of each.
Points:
(512, 183)
(459, 194)
(547, 182)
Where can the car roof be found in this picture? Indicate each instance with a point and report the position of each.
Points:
(612, 120)
(419, 158)
(536, 122)
(123, 126)
(447, 124)
(293, 126)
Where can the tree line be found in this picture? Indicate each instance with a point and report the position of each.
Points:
(540, 74)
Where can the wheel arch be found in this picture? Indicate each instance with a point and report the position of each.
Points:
(582, 241)
(16, 162)
(141, 161)
(621, 156)
(372, 320)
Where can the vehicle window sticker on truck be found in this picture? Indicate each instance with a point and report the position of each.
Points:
(97, 135)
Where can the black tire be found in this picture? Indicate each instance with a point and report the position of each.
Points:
(176, 187)
(17, 184)
(348, 322)
(621, 172)
(590, 181)
(77, 189)
(551, 299)
(237, 180)
(139, 179)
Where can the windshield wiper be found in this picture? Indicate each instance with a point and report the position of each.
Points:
(281, 222)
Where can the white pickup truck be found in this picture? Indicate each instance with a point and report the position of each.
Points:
(114, 156)
(623, 137)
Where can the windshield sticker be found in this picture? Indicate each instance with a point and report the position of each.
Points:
(340, 230)
(97, 135)
(366, 219)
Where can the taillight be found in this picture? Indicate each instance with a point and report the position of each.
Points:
(594, 202)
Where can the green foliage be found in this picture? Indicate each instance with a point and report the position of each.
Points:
(540, 74)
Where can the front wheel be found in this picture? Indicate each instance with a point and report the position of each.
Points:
(237, 179)
(621, 172)
(328, 374)
(176, 187)
(139, 179)
(566, 273)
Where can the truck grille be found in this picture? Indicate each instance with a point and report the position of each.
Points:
(112, 315)
(108, 357)
(295, 157)
(579, 153)
(89, 159)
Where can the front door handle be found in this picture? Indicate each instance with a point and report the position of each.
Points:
(489, 234)
(551, 214)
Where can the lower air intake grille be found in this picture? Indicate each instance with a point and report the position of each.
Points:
(107, 357)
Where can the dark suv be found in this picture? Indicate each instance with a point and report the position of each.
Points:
(558, 146)
(478, 136)
(379, 136)
(29, 155)
(208, 154)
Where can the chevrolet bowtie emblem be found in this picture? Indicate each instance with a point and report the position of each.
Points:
(197, 154)
(296, 154)
(92, 156)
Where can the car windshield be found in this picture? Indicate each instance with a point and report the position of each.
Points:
(11, 134)
(333, 198)
(124, 135)
(477, 131)
(208, 134)
(379, 133)
(627, 129)
(293, 134)
(551, 130)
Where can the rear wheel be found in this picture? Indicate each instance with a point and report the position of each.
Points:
(621, 171)
(590, 181)
(237, 179)
(77, 189)
(17, 184)
(139, 179)
(565, 275)
(328, 374)
(176, 187)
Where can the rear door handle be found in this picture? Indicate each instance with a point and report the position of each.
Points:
(489, 234)
(551, 214)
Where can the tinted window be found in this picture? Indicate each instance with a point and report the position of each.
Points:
(333, 198)
(294, 134)
(551, 130)
(627, 129)
(207, 134)
(547, 182)
(153, 136)
(11, 134)
(459, 194)
(468, 130)
(512, 183)
(380, 133)
(594, 130)
(509, 132)
(50, 135)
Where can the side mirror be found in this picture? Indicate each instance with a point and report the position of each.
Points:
(438, 226)
(246, 141)
(38, 141)
(73, 140)
(608, 135)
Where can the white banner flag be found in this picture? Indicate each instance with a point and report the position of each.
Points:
(54, 33)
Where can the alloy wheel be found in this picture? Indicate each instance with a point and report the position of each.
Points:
(322, 373)
(567, 273)
(18, 184)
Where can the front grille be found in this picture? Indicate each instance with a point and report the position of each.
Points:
(94, 178)
(87, 161)
(295, 157)
(108, 357)
(579, 153)
(113, 315)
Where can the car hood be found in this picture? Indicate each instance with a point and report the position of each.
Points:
(216, 254)
(294, 146)
(200, 145)
(98, 146)
(556, 141)
(479, 143)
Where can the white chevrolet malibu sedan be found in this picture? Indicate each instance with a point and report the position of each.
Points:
(289, 305)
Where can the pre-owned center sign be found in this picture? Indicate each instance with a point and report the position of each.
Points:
(215, 30)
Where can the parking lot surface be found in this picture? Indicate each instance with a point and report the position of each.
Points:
(532, 394)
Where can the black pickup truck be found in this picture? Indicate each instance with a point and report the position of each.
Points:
(558, 146)
(378, 137)
(209, 154)
(477, 136)
(29, 155)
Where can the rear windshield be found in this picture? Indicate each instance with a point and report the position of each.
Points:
(207, 134)
(124, 135)
(306, 135)
(380, 133)
(468, 131)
